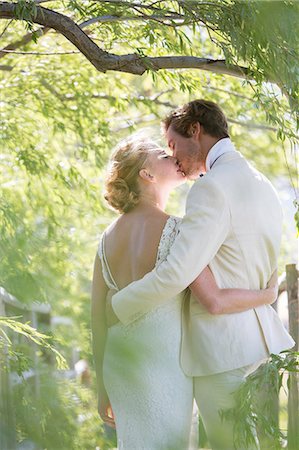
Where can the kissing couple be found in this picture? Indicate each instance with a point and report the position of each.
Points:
(191, 317)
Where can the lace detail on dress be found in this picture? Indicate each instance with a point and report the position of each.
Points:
(168, 236)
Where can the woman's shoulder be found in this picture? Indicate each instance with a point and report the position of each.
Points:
(111, 227)
(104, 233)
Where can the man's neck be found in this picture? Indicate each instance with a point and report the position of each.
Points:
(222, 146)
(207, 143)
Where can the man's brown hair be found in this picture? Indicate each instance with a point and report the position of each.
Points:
(208, 114)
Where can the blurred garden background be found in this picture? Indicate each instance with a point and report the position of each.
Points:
(76, 77)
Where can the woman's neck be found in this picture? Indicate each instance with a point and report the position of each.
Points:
(154, 199)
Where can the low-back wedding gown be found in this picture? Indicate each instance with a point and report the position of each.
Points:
(150, 396)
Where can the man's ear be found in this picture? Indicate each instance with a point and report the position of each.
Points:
(195, 129)
(145, 175)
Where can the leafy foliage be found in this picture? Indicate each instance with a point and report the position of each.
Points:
(254, 401)
(60, 119)
(30, 333)
(63, 415)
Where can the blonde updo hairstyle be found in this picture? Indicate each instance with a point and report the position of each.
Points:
(122, 187)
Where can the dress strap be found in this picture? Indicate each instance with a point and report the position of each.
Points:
(107, 275)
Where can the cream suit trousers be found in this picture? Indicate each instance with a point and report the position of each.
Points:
(214, 393)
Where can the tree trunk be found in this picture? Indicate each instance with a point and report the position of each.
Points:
(293, 381)
(7, 418)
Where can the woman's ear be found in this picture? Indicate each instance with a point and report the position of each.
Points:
(145, 175)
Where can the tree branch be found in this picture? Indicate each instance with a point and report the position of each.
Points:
(193, 62)
(16, 52)
(6, 67)
(25, 40)
(252, 125)
(152, 99)
(53, 91)
(5, 28)
(226, 91)
(130, 63)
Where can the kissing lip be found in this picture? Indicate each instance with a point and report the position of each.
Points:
(181, 172)
(180, 169)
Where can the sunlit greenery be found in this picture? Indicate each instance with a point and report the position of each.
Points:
(61, 117)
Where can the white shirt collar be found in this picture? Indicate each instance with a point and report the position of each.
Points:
(223, 146)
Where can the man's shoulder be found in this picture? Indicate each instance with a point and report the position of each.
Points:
(230, 173)
(233, 167)
(206, 190)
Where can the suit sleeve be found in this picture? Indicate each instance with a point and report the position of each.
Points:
(203, 230)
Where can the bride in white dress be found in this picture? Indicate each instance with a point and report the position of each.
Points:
(139, 376)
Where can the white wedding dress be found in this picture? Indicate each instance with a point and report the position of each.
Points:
(150, 396)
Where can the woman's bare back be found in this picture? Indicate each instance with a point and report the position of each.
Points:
(131, 244)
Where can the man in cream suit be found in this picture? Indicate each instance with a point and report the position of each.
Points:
(233, 223)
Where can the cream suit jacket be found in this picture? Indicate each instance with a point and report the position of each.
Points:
(233, 222)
